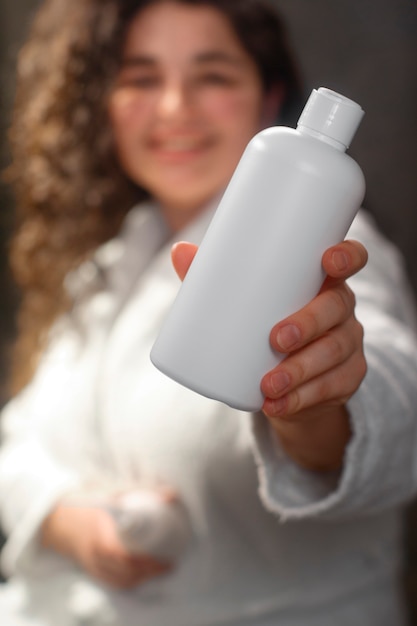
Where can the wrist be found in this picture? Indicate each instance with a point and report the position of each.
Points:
(316, 440)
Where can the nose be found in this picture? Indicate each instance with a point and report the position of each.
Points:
(174, 100)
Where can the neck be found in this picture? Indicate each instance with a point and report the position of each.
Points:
(178, 217)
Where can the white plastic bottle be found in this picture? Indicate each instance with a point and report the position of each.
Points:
(294, 194)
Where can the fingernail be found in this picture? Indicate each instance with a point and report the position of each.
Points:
(279, 382)
(288, 336)
(340, 260)
(278, 407)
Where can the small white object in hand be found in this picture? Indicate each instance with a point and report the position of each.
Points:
(150, 523)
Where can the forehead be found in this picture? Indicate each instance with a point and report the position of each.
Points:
(181, 31)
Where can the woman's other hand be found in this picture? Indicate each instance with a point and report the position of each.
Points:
(306, 394)
(88, 535)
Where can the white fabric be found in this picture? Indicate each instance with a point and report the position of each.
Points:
(271, 543)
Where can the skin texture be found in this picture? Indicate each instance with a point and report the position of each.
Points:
(187, 100)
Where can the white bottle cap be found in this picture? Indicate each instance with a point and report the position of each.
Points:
(330, 114)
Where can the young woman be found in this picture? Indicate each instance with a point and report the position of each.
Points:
(130, 119)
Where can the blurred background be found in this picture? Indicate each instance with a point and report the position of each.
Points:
(367, 50)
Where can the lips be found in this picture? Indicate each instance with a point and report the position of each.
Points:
(178, 147)
(178, 144)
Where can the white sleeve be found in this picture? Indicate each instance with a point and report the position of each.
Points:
(380, 465)
(34, 472)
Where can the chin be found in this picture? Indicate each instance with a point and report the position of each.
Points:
(185, 195)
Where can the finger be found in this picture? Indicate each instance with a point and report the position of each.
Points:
(132, 571)
(128, 579)
(329, 309)
(182, 254)
(328, 352)
(344, 259)
(334, 386)
(134, 561)
(119, 580)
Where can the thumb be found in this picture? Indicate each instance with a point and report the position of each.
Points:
(182, 254)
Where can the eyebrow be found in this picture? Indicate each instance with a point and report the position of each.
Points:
(200, 58)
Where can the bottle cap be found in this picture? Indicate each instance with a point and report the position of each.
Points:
(330, 114)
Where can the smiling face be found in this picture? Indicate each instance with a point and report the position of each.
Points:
(186, 101)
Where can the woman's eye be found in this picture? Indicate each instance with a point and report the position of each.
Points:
(139, 81)
(216, 78)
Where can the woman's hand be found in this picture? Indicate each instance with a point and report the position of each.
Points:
(89, 535)
(306, 394)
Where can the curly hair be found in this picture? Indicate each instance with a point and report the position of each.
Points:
(71, 194)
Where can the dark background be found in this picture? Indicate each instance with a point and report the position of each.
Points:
(365, 49)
